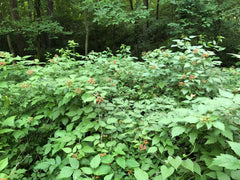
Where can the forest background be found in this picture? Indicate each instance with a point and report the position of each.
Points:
(39, 27)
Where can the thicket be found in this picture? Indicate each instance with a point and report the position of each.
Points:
(175, 115)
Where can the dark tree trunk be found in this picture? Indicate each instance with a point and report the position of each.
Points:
(13, 6)
(49, 13)
(10, 44)
(145, 26)
(131, 4)
(87, 32)
(37, 15)
(157, 12)
(50, 8)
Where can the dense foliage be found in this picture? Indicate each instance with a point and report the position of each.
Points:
(175, 115)
(40, 26)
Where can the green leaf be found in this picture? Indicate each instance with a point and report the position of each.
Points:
(188, 164)
(87, 97)
(228, 134)
(88, 149)
(108, 177)
(193, 136)
(3, 163)
(225, 94)
(197, 168)
(107, 159)
(235, 147)
(112, 120)
(74, 163)
(222, 176)
(121, 162)
(191, 119)
(219, 125)
(235, 174)
(89, 138)
(3, 84)
(65, 172)
(77, 174)
(95, 162)
(140, 174)
(9, 121)
(102, 170)
(227, 161)
(166, 172)
(152, 150)
(155, 140)
(87, 170)
(176, 131)
(67, 150)
(175, 162)
(2, 131)
(119, 150)
(132, 163)
(42, 165)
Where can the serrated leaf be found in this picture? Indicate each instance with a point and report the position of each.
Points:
(95, 162)
(65, 172)
(108, 177)
(228, 134)
(188, 164)
(152, 150)
(140, 174)
(9, 121)
(222, 176)
(166, 172)
(193, 137)
(74, 163)
(89, 138)
(219, 125)
(175, 162)
(87, 97)
(107, 159)
(119, 151)
(87, 170)
(88, 149)
(235, 174)
(191, 119)
(176, 131)
(121, 162)
(132, 163)
(155, 140)
(102, 170)
(225, 93)
(42, 165)
(77, 174)
(197, 168)
(67, 150)
(2, 131)
(112, 120)
(227, 161)
(235, 147)
(3, 163)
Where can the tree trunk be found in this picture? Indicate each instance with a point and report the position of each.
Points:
(10, 44)
(157, 14)
(13, 6)
(37, 15)
(50, 8)
(131, 4)
(49, 13)
(145, 26)
(87, 32)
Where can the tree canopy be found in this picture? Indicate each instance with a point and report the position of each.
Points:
(37, 27)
